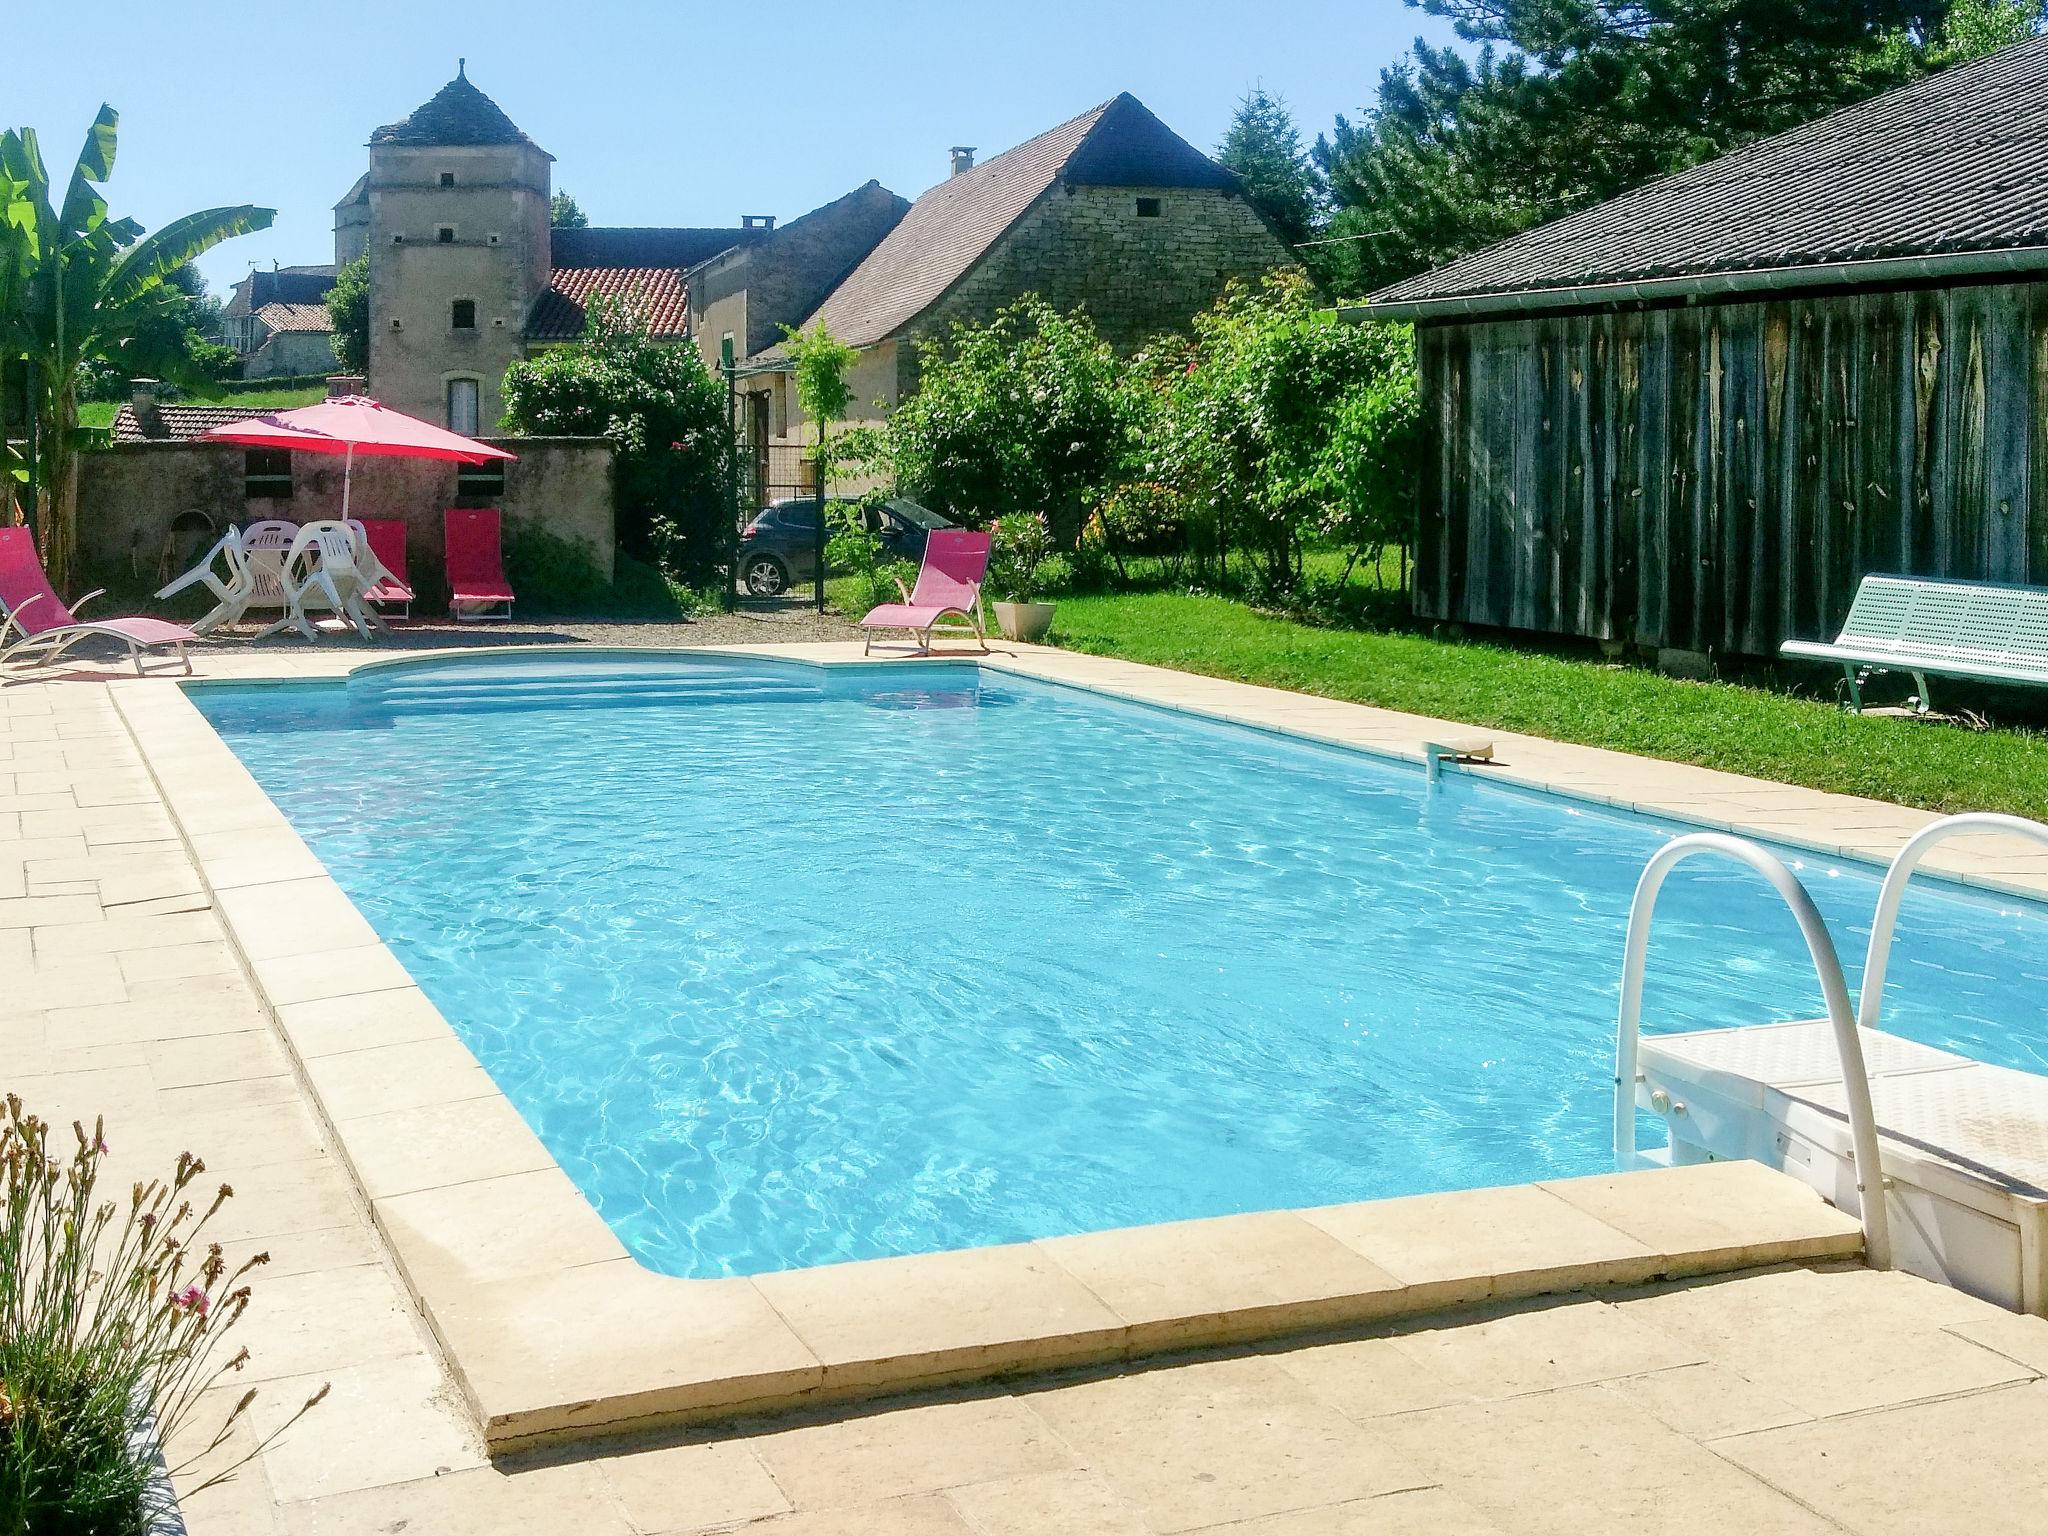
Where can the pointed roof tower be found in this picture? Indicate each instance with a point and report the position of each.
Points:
(458, 113)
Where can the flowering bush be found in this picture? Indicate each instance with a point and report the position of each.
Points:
(1021, 558)
(111, 1327)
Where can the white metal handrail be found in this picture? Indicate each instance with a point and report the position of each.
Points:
(1877, 1244)
(1893, 893)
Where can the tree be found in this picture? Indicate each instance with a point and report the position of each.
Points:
(1280, 425)
(820, 361)
(348, 311)
(664, 412)
(1028, 413)
(176, 345)
(1568, 102)
(94, 287)
(563, 213)
(1264, 148)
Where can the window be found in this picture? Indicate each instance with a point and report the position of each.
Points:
(462, 406)
(445, 234)
(267, 474)
(480, 484)
(1148, 207)
(447, 178)
(462, 315)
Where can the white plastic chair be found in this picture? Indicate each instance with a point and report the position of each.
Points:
(266, 544)
(231, 593)
(323, 568)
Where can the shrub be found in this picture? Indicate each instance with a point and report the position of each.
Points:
(110, 1331)
(665, 415)
(348, 311)
(551, 572)
(1021, 557)
(858, 553)
(1145, 518)
(1031, 411)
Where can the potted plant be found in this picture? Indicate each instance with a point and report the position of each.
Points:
(1021, 566)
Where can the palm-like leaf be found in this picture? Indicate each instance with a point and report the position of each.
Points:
(84, 209)
(150, 260)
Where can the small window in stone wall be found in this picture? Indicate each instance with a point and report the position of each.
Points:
(267, 474)
(447, 178)
(462, 315)
(445, 234)
(480, 485)
(1148, 208)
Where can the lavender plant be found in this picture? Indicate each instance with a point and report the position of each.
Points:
(113, 1326)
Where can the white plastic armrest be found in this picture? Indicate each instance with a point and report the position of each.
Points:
(902, 590)
(95, 592)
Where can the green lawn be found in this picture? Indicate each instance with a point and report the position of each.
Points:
(100, 413)
(1721, 725)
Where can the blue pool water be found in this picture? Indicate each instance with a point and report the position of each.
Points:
(787, 967)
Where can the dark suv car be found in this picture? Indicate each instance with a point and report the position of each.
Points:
(778, 549)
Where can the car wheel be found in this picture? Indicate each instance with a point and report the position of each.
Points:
(765, 577)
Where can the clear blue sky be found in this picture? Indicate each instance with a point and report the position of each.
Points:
(656, 113)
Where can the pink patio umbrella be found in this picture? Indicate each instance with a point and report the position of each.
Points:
(349, 425)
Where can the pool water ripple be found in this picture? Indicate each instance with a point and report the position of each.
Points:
(888, 967)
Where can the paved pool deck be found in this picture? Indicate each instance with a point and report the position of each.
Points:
(1460, 1375)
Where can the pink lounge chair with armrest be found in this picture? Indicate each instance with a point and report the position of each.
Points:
(948, 585)
(385, 539)
(476, 565)
(47, 629)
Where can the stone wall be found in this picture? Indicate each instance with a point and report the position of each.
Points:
(131, 494)
(291, 355)
(1089, 247)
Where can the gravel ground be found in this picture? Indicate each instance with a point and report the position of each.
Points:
(749, 626)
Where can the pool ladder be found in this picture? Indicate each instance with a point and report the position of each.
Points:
(1870, 1182)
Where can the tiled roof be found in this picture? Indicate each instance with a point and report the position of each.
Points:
(296, 317)
(181, 421)
(1953, 164)
(282, 285)
(681, 248)
(951, 227)
(658, 293)
(458, 113)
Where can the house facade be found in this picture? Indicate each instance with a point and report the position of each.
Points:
(277, 321)
(1692, 418)
(1111, 212)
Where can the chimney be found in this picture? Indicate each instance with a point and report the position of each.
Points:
(757, 221)
(142, 399)
(341, 385)
(963, 157)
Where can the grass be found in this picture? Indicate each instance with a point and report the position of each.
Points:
(100, 413)
(1740, 729)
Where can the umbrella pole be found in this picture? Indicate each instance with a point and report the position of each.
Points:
(348, 467)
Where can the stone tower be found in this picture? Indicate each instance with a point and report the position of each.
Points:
(459, 251)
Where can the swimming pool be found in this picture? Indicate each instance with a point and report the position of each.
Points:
(788, 965)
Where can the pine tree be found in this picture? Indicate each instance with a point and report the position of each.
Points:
(1566, 103)
(1264, 148)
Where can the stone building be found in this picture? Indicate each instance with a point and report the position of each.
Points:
(277, 321)
(1111, 212)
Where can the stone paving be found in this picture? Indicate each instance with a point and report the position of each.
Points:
(1788, 1400)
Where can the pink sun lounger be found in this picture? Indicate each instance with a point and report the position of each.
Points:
(47, 629)
(389, 587)
(476, 565)
(948, 585)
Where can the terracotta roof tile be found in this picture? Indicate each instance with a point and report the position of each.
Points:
(296, 317)
(181, 422)
(1954, 163)
(658, 293)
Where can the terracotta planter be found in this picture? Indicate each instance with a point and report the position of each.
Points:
(1027, 622)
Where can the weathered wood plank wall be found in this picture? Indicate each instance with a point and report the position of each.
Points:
(1719, 478)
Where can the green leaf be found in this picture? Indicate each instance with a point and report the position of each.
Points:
(152, 259)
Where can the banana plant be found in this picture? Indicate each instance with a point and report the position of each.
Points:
(88, 287)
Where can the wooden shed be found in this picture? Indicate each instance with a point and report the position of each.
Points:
(1693, 417)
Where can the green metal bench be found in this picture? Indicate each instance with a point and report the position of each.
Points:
(1989, 632)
